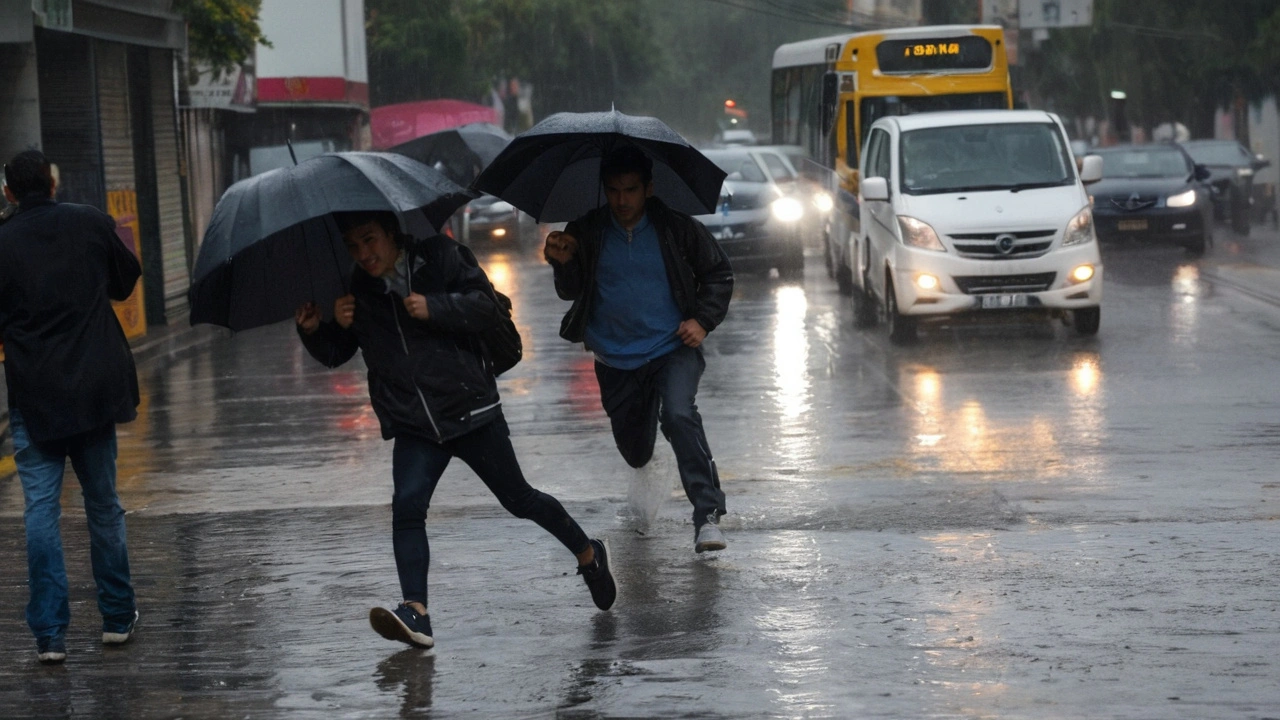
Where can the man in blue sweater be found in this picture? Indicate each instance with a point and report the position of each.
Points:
(647, 284)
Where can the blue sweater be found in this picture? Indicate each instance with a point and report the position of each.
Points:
(635, 317)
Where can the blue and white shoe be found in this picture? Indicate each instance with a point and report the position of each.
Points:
(402, 625)
(118, 635)
(51, 651)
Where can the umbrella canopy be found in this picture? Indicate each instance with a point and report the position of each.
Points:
(552, 170)
(390, 125)
(271, 244)
(459, 152)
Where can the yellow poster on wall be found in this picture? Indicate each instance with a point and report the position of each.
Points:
(123, 206)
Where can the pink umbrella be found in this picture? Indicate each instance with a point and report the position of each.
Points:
(395, 124)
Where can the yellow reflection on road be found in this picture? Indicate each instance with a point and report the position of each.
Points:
(1187, 290)
(792, 394)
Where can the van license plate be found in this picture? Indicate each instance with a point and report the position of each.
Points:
(1131, 225)
(992, 302)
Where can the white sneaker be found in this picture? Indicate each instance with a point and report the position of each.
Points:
(709, 537)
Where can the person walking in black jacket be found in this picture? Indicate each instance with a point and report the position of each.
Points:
(647, 284)
(71, 379)
(415, 310)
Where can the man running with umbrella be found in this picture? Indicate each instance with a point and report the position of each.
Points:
(415, 309)
(647, 284)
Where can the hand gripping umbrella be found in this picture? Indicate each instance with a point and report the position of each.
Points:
(552, 170)
(271, 244)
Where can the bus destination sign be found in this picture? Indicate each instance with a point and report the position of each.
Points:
(969, 52)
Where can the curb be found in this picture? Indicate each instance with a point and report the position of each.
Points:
(1258, 282)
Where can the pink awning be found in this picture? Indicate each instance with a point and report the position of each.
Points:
(394, 124)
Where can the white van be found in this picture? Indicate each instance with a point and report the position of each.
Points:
(974, 211)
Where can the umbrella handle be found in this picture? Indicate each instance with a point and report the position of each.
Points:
(292, 154)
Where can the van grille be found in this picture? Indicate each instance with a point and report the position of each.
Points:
(988, 245)
(988, 284)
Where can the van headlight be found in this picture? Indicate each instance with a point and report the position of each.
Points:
(824, 202)
(1183, 199)
(919, 234)
(787, 209)
(1080, 229)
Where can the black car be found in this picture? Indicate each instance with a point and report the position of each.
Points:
(1231, 182)
(1152, 193)
(758, 223)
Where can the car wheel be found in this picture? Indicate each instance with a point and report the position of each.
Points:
(844, 279)
(1087, 320)
(1196, 247)
(902, 329)
(864, 308)
(1240, 221)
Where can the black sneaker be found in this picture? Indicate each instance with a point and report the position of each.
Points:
(120, 636)
(403, 625)
(599, 578)
(51, 651)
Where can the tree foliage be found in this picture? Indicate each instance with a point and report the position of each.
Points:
(221, 34)
(1174, 61)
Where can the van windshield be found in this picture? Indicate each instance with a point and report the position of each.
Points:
(1004, 156)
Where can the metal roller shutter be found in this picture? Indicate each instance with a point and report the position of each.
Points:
(69, 116)
(113, 111)
(173, 236)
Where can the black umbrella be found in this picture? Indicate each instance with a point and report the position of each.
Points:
(271, 244)
(461, 152)
(552, 170)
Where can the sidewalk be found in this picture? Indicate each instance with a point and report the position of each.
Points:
(160, 341)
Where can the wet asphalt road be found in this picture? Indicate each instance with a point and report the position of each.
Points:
(1002, 520)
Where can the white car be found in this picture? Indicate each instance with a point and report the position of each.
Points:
(974, 211)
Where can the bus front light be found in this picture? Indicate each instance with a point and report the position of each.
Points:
(919, 234)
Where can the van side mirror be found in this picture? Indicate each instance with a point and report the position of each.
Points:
(1260, 162)
(875, 188)
(830, 95)
(1091, 169)
(1202, 173)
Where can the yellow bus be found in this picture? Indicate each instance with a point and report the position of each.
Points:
(826, 92)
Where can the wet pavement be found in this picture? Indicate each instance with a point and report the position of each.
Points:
(1002, 520)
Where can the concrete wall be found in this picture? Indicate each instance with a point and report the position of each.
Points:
(19, 99)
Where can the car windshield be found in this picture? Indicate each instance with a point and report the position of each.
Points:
(1217, 153)
(1152, 162)
(1003, 156)
(740, 163)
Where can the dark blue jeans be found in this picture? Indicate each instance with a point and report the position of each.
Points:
(663, 391)
(40, 467)
(416, 467)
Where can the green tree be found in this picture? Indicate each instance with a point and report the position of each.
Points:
(221, 34)
(418, 49)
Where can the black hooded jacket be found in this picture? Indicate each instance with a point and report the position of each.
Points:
(431, 378)
(698, 270)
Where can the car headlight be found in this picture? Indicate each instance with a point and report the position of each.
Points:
(1080, 229)
(787, 209)
(824, 202)
(1182, 199)
(919, 234)
(1244, 172)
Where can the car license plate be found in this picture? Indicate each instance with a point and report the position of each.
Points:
(1130, 225)
(994, 302)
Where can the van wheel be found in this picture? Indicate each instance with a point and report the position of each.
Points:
(826, 255)
(1087, 320)
(902, 329)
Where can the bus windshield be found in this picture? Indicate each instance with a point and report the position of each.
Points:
(874, 108)
(1004, 156)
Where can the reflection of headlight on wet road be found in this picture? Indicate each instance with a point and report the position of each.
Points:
(787, 209)
(824, 202)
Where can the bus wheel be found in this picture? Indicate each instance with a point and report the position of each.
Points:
(902, 329)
